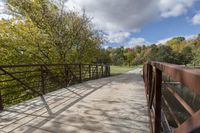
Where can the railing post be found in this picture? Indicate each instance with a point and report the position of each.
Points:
(1, 102)
(146, 78)
(151, 95)
(89, 71)
(42, 79)
(157, 124)
(144, 73)
(96, 71)
(149, 78)
(66, 74)
(80, 73)
(109, 70)
(102, 75)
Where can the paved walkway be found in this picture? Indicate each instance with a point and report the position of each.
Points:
(110, 105)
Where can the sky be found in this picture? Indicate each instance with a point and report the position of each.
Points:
(136, 22)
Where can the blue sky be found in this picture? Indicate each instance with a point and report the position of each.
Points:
(166, 28)
(169, 27)
(136, 22)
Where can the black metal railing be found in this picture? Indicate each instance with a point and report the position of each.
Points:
(19, 83)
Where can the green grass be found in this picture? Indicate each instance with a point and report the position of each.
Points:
(115, 70)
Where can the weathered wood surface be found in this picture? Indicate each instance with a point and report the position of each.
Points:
(109, 105)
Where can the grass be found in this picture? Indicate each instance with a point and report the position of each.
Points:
(116, 70)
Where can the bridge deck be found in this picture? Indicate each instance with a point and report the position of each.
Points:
(112, 105)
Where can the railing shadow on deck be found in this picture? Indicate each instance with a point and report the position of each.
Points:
(58, 102)
(20, 83)
(161, 77)
(84, 121)
(88, 117)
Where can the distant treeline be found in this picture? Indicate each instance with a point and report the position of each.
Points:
(177, 50)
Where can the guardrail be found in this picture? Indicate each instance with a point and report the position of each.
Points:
(154, 74)
(19, 83)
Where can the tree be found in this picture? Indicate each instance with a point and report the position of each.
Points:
(22, 42)
(153, 53)
(117, 56)
(177, 44)
(129, 56)
(164, 53)
(187, 55)
(104, 57)
(196, 55)
(138, 49)
(68, 36)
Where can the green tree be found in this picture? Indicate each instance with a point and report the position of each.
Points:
(104, 57)
(177, 44)
(196, 55)
(117, 56)
(138, 49)
(69, 34)
(164, 53)
(129, 56)
(187, 55)
(21, 42)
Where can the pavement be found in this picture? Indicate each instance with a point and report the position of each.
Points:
(115, 104)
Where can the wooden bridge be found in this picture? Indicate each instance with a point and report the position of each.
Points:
(66, 98)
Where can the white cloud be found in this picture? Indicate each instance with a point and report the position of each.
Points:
(5, 16)
(3, 11)
(2, 6)
(118, 37)
(127, 42)
(173, 8)
(119, 18)
(137, 41)
(187, 37)
(128, 15)
(117, 15)
(106, 46)
(163, 41)
(196, 19)
(123, 39)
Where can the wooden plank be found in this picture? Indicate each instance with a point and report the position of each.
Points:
(192, 125)
(181, 101)
(171, 111)
(187, 76)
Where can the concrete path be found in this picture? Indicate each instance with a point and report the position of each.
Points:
(110, 105)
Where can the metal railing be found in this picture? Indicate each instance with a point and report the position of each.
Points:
(154, 74)
(19, 83)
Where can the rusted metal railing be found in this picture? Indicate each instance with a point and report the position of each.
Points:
(22, 82)
(154, 74)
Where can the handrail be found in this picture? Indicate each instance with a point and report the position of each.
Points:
(28, 65)
(153, 73)
(31, 80)
(187, 76)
